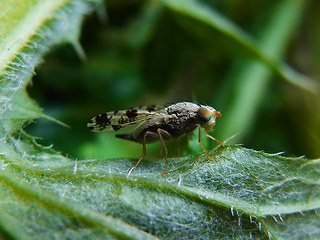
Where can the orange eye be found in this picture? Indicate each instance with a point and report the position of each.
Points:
(204, 113)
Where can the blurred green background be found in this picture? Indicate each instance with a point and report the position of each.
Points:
(142, 52)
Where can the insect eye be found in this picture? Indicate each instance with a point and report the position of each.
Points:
(204, 113)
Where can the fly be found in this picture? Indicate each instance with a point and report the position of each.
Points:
(157, 123)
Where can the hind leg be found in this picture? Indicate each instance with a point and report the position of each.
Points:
(146, 134)
(157, 135)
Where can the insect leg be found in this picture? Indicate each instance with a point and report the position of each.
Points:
(214, 139)
(178, 146)
(167, 135)
(199, 140)
(147, 133)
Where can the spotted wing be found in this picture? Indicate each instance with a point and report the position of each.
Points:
(122, 118)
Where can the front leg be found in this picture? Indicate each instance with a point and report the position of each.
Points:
(166, 134)
(214, 139)
(209, 136)
(199, 140)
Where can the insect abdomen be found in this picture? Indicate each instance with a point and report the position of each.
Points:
(125, 136)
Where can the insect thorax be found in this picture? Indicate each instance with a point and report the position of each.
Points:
(186, 118)
(177, 119)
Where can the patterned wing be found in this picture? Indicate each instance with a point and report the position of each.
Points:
(122, 118)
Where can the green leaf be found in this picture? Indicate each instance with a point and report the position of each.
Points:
(238, 194)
